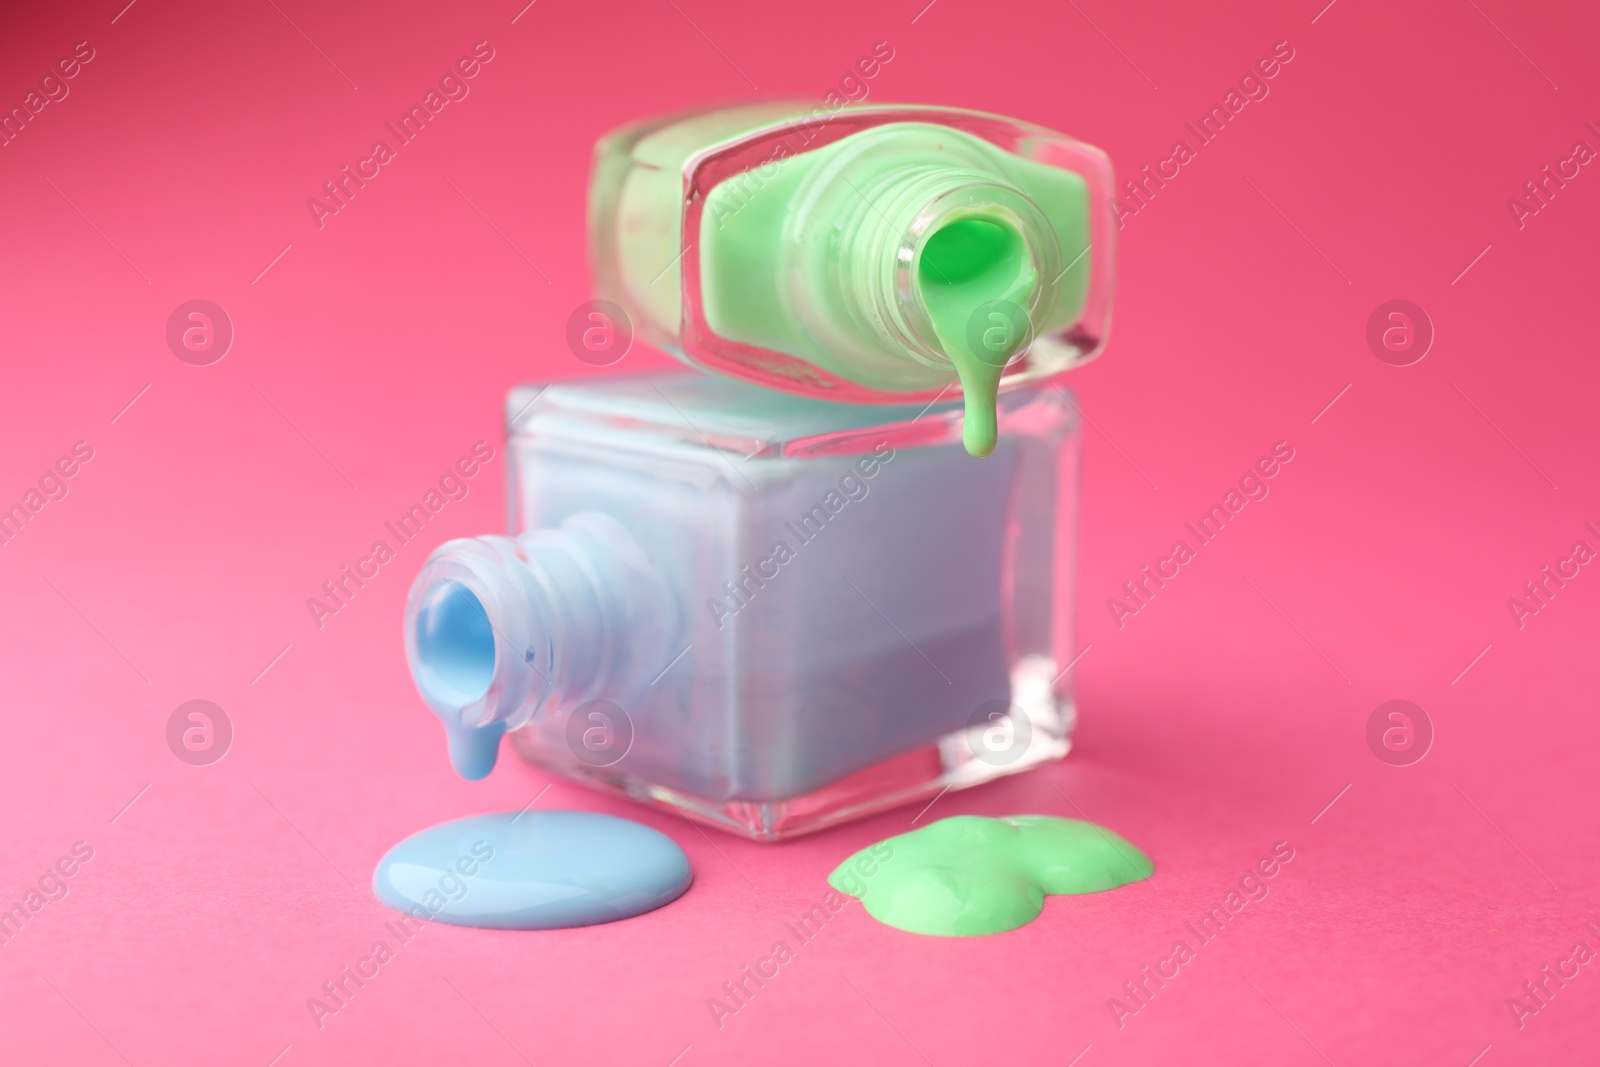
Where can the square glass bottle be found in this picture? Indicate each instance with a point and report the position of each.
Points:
(770, 612)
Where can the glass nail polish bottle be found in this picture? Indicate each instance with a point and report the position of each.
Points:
(769, 612)
(866, 254)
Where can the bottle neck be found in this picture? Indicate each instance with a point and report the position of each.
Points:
(500, 629)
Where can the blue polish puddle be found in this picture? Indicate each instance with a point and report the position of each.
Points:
(541, 870)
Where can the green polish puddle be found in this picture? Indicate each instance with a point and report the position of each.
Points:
(969, 875)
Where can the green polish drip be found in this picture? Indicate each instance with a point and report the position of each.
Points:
(971, 261)
(970, 875)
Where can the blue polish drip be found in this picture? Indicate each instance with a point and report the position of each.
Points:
(540, 870)
(454, 668)
(473, 749)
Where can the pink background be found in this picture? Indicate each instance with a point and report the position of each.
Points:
(1222, 718)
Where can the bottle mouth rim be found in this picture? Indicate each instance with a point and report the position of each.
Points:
(999, 204)
(463, 646)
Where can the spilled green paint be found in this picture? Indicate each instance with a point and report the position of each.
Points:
(970, 874)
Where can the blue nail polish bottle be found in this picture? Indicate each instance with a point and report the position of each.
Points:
(770, 612)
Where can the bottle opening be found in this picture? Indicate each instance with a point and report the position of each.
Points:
(455, 646)
(971, 253)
